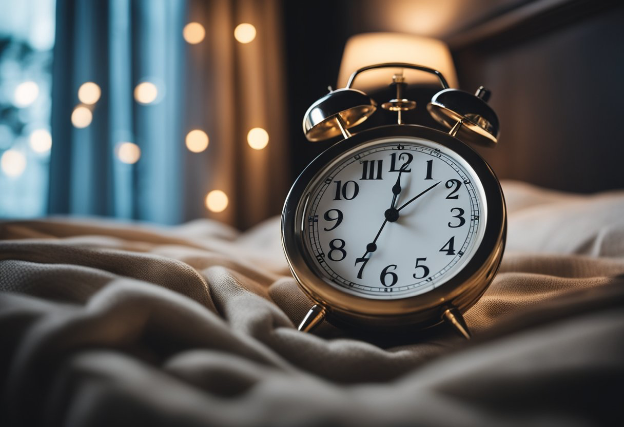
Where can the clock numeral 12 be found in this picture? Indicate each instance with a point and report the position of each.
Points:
(393, 162)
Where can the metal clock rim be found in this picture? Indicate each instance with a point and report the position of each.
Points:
(461, 291)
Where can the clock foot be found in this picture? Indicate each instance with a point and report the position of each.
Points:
(314, 317)
(455, 319)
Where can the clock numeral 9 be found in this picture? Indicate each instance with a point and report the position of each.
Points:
(338, 218)
(337, 247)
(344, 190)
(459, 216)
(453, 183)
(425, 269)
(385, 273)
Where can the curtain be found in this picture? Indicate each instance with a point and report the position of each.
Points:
(219, 86)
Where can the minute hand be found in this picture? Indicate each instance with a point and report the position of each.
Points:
(415, 197)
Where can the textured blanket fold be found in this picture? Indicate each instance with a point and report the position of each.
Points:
(106, 323)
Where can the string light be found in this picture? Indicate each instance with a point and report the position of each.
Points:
(146, 93)
(81, 117)
(245, 33)
(217, 201)
(41, 141)
(129, 153)
(194, 32)
(13, 163)
(257, 138)
(197, 141)
(89, 93)
(25, 94)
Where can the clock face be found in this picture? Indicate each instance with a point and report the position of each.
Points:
(394, 218)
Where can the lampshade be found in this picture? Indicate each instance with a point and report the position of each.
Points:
(374, 48)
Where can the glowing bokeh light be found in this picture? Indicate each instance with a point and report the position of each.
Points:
(216, 201)
(81, 117)
(25, 94)
(146, 92)
(89, 93)
(194, 32)
(128, 152)
(41, 141)
(245, 33)
(13, 163)
(257, 138)
(197, 141)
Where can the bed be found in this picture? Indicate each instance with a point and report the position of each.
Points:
(106, 323)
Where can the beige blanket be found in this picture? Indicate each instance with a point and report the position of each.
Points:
(114, 324)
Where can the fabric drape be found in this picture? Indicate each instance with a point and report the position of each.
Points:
(220, 86)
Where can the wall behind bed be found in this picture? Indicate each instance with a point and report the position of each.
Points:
(556, 70)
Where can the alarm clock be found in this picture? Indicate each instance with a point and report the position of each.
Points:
(400, 227)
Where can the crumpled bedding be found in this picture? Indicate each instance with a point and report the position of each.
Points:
(105, 323)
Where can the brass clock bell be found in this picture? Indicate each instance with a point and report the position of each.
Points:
(398, 226)
(468, 116)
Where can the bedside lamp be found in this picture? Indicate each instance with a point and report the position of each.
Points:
(374, 48)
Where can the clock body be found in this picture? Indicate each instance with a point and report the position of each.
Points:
(393, 226)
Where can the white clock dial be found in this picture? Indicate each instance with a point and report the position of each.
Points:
(370, 238)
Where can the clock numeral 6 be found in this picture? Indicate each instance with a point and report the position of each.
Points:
(385, 273)
(425, 269)
(337, 218)
(349, 190)
(337, 247)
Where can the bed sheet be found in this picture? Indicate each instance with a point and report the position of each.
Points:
(111, 323)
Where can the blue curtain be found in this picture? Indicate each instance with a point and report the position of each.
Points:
(117, 44)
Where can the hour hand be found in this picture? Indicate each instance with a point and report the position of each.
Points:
(396, 188)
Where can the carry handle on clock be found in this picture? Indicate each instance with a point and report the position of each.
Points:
(469, 117)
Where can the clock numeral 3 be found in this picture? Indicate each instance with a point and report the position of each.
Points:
(338, 218)
(337, 247)
(425, 269)
(459, 216)
(349, 190)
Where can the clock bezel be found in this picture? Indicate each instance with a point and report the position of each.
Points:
(461, 291)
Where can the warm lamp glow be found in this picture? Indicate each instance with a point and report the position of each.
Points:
(89, 93)
(194, 33)
(13, 163)
(216, 201)
(146, 92)
(245, 33)
(41, 141)
(25, 94)
(374, 48)
(129, 153)
(197, 141)
(257, 138)
(81, 117)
